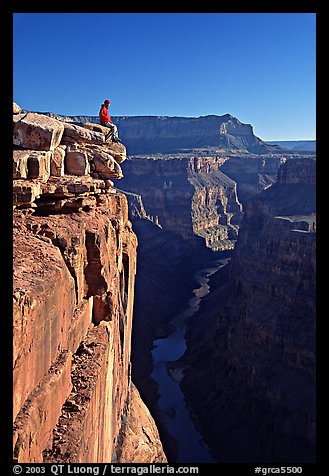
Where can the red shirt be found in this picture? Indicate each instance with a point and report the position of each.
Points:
(104, 115)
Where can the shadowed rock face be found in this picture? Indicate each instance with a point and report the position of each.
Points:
(249, 369)
(251, 173)
(74, 276)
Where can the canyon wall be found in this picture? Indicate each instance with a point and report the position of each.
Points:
(173, 134)
(249, 368)
(252, 173)
(185, 199)
(74, 277)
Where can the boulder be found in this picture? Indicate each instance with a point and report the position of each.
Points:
(39, 165)
(25, 192)
(106, 167)
(96, 127)
(76, 163)
(74, 133)
(117, 150)
(20, 158)
(31, 164)
(37, 131)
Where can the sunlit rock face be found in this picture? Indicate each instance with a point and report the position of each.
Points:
(74, 275)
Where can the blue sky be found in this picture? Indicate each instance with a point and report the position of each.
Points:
(259, 67)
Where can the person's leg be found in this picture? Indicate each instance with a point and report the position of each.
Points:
(114, 131)
(109, 125)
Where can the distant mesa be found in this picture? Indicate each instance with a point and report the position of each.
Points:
(296, 145)
(174, 134)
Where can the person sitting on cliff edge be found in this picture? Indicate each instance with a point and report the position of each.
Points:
(106, 121)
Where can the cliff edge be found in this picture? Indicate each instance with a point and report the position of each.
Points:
(74, 274)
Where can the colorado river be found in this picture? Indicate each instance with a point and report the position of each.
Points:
(171, 403)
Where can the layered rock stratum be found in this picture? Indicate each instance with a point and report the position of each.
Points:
(189, 196)
(74, 274)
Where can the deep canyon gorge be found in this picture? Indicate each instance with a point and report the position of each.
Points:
(170, 288)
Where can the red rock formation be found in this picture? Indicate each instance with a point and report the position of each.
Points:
(74, 272)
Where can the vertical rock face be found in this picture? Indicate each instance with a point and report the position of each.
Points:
(252, 173)
(74, 273)
(298, 171)
(216, 211)
(255, 400)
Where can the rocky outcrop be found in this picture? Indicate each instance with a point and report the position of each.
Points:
(74, 274)
(249, 369)
(139, 435)
(36, 131)
(47, 146)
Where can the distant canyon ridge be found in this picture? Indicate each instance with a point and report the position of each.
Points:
(165, 134)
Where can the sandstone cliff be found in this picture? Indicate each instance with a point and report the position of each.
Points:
(249, 369)
(74, 273)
